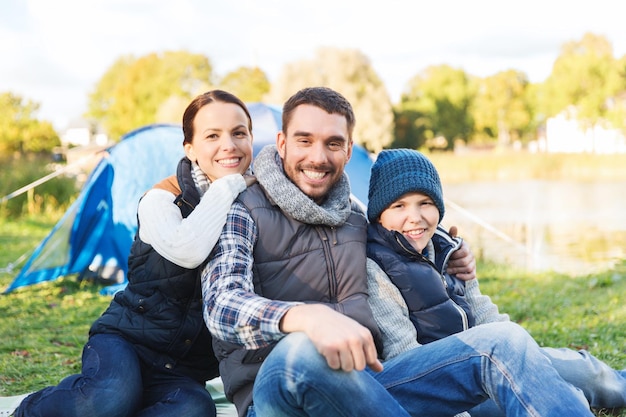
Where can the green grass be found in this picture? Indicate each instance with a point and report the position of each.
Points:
(582, 312)
(44, 326)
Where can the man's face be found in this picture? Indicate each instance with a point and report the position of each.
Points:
(315, 150)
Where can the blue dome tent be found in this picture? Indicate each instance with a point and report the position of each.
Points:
(95, 234)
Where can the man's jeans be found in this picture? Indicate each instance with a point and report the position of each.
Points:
(604, 387)
(114, 383)
(443, 378)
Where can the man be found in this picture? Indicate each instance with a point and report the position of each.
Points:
(286, 298)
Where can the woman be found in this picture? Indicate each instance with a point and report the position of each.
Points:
(150, 353)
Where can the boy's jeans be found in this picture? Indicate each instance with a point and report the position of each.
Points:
(114, 382)
(604, 387)
(443, 378)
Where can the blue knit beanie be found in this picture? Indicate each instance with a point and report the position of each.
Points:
(397, 172)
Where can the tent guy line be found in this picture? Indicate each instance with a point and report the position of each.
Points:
(48, 177)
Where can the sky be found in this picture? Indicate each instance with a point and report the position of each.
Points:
(55, 52)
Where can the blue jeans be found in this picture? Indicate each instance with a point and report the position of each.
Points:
(115, 383)
(498, 360)
(603, 386)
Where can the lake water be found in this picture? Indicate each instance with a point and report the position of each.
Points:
(565, 226)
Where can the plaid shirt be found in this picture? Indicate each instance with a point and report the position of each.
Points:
(232, 310)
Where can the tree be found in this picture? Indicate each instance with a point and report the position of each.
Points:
(138, 91)
(248, 83)
(442, 96)
(349, 72)
(616, 106)
(20, 131)
(501, 109)
(587, 76)
(410, 128)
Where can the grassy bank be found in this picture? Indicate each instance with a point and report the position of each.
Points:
(43, 327)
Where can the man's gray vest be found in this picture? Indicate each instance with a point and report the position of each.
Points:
(294, 261)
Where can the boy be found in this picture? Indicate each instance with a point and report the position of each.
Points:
(406, 241)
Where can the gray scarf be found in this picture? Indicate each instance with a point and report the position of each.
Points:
(268, 168)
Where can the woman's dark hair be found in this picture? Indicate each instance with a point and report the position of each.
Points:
(201, 101)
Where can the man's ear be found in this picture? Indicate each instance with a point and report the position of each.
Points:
(349, 153)
(280, 143)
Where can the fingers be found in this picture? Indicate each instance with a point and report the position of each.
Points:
(353, 352)
(333, 359)
(466, 276)
(453, 231)
(376, 366)
(462, 263)
(349, 354)
(249, 179)
(345, 344)
(371, 357)
(350, 359)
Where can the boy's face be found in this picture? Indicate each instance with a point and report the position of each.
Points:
(415, 216)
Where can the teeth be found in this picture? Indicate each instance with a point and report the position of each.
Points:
(414, 232)
(229, 161)
(314, 175)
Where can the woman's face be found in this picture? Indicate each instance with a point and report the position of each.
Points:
(222, 142)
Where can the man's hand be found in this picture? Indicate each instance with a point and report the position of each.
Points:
(346, 344)
(249, 179)
(462, 262)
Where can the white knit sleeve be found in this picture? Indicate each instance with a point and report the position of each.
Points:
(390, 312)
(485, 311)
(187, 242)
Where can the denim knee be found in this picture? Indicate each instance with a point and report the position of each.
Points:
(186, 402)
(507, 337)
(296, 349)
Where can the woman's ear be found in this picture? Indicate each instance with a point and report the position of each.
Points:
(189, 152)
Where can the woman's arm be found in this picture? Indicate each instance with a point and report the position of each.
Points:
(187, 241)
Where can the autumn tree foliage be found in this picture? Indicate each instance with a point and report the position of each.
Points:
(135, 92)
(21, 132)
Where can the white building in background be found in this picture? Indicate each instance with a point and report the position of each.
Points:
(565, 134)
(79, 133)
